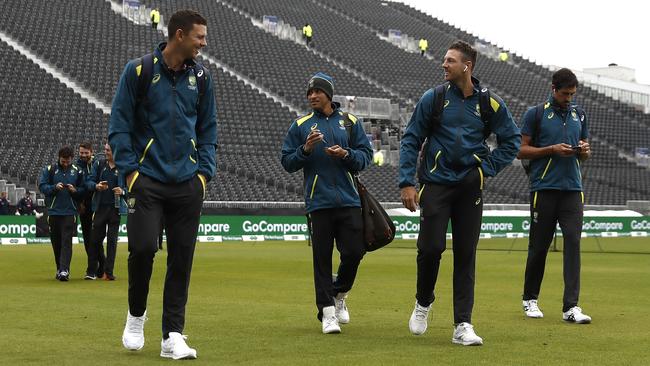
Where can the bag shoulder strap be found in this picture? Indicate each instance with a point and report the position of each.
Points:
(439, 93)
(50, 171)
(144, 77)
(485, 100)
(200, 73)
(347, 123)
(539, 113)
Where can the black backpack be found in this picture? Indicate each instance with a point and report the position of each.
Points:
(534, 138)
(378, 227)
(145, 78)
(436, 116)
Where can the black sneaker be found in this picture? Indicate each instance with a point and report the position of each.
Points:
(90, 277)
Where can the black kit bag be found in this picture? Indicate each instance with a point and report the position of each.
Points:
(378, 227)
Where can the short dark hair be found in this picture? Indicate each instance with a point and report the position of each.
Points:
(66, 152)
(469, 53)
(86, 145)
(184, 20)
(564, 78)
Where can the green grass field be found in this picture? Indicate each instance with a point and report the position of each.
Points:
(253, 304)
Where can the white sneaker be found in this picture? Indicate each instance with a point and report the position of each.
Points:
(531, 309)
(330, 322)
(419, 319)
(64, 276)
(575, 315)
(176, 348)
(342, 313)
(464, 334)
(133, 336)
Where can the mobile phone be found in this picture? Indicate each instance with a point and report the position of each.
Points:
(323, 140)
(576, 149)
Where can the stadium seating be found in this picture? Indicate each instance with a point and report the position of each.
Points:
(90, 43)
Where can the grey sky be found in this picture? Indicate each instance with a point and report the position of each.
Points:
(577, 34)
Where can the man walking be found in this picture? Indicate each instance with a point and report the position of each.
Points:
(62, 183)
(84, 207)
(455, 119)
(107, 205)
(164, 142)
(555, 139)
(320, 145)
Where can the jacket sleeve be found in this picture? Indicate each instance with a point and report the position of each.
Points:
(508, 141)
(293, 158)
(122, 120)
(360, 151)
(44, 183)
(413, 138)
(206, 130)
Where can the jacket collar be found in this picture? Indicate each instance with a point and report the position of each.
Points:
(188, 63)
(335, 109)
(557, 107)
(477, 87)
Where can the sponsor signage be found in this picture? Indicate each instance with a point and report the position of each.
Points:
(217, 228)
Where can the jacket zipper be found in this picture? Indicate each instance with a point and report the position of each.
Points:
(194, 147)
(313, 187)
(548, 165)
(338, 196)
(435, 161)
(146, 149)
(175, 175)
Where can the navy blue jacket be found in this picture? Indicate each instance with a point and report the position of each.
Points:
(61, 202)
(458, 145)
(103, 172)
(557, 126)
(167, 137)
(328, 181)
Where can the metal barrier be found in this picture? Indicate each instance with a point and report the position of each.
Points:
(375, 108)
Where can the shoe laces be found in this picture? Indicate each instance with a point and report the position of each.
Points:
(421, 312)
(136, 323)
(466, 329)
(576, 310)
(179, 340)
(532, 305)
(329, 321)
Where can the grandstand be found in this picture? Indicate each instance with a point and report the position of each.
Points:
(260, 81)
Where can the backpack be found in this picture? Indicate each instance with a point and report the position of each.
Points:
(436, 116)
(378, 227)
(145, 77)
(534, 138)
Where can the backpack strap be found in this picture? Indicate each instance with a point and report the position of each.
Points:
(439, 93)
(144, 70)
(347, 123)
(50, 171)
(200, 73)
(485, 98)
(539, 113)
